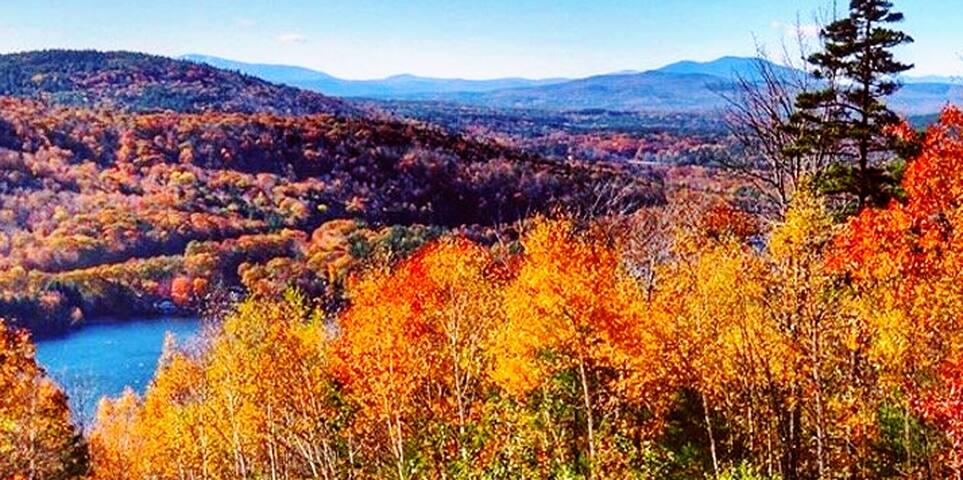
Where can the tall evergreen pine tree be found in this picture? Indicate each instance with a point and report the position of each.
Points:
(848, 114)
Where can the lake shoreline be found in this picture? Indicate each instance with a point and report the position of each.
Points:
(100, 320)
(105, 357)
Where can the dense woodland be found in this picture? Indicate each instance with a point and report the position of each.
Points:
(85, 192)
(138, 82)
(592, 135)
(414, 290)
(662, 344)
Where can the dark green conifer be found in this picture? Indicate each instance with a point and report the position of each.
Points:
(857, 70)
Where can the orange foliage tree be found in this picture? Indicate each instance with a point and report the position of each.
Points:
(411, 352)
(571, 309)
(181, 290)
(905, 263)
(37, 439)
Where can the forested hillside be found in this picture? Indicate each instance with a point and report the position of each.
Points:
(139, 82)
(421, 290)
(664, 344)
(82, 191)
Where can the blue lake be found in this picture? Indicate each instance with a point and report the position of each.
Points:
(104, 358)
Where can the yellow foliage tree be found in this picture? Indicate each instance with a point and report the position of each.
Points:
(572, 308)
(257, 402)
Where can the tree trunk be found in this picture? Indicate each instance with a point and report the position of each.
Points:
(864, 139)
(398, 441)
(459, 392)
(907, 438)
(589, 420)
(793, 443)
(712, 439)
(817, 380)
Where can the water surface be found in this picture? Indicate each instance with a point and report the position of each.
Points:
(104, 358)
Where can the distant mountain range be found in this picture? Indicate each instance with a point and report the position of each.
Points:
(398, 86)
(690, 87)
(933, 79)
(685, 86)
(730, 68)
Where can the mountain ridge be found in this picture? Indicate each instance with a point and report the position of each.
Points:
(142, 82)
(728, 67)
(686, 86)
(391, 86)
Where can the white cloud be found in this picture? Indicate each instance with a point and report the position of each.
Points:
(806, 30)
(291, 38)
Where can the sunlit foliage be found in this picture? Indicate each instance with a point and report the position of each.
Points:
(37, 438)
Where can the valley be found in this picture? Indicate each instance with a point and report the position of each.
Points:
(585, 242)
(109, 212)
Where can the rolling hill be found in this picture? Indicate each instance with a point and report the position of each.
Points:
(125, 172)
(689, 87)
(397, 86)
(730, 68)
(140, 83)
(681, 87)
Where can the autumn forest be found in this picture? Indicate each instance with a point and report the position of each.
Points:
(417, 288)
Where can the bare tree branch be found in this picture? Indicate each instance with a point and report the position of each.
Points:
(757, 116)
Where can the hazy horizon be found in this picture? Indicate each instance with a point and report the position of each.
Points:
(373, 39)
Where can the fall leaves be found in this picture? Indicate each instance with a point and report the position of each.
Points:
(906, 261)
(460, 358)
(259, 400)
(411, 349)
(98, 193)
(410, 365)
(37, 439)
(805, 350)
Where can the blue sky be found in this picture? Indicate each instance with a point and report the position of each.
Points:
(455, 38)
